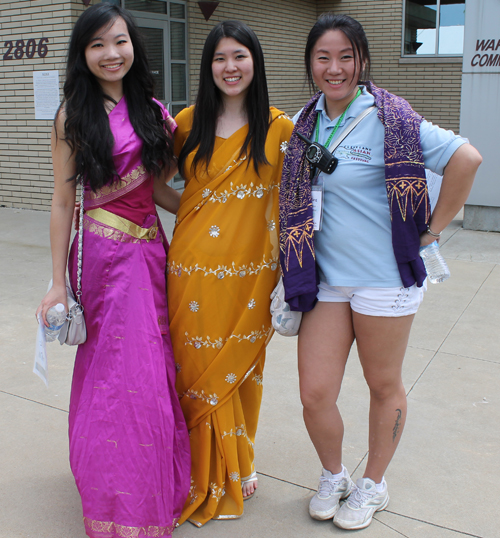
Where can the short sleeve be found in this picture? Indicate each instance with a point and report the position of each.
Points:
(297, 116)
(438, 146)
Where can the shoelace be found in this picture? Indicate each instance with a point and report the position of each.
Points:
(327, 485)
(359, 497)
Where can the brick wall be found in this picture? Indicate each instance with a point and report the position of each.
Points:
(25, 161)
(432, 86)
(281, 26)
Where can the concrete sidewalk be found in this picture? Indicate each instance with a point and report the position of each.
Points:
(443, 480)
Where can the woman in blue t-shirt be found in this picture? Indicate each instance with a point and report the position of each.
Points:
(352, 264)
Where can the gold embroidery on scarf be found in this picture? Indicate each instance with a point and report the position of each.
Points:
(222, 271)
(295, 238)
(410, 191)
(124, 182)
(111, 528)
(402, 138)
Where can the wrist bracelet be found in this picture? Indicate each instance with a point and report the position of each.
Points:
(430, 232)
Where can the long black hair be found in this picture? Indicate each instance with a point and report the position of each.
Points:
(209, 102)
(354, 32)
(87, 129)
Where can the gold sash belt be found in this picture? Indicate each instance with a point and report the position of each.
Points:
(123, 225)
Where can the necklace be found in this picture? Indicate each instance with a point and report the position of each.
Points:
(332, 134)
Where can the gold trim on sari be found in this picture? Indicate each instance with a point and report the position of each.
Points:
(115, 190)
(109, 528)
(120, 224)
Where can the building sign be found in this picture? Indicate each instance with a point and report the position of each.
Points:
(46, 88)
(483, 58)
(482, 38)
(480, 109)
(25, 48)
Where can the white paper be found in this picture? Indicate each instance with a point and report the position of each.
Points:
(433, 186)
(41, 368)
(317, 206)
(46, 88)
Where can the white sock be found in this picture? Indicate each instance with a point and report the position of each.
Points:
(336, 476)
(380, 487)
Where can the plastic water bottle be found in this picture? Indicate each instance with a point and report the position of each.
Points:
(56, 316)
(437, 270)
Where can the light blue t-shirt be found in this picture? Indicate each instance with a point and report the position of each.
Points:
(354, 246)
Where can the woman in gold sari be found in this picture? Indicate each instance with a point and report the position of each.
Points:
(223, 265)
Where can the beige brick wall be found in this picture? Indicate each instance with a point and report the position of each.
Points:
(281, 26)
(25, 161)
(433, 88)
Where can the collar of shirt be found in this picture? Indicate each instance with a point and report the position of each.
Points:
(364, 101)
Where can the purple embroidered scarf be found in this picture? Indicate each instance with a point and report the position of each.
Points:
(406, 193)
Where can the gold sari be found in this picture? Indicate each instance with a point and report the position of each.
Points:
(223, 265)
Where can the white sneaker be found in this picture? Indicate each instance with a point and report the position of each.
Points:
(364, 501)
(325, 504)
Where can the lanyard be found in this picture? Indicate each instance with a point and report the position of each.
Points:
(358, 93)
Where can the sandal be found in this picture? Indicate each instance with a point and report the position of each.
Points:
(251, 478)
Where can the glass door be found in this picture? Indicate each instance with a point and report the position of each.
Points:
(155, 35)
(163, 24)
(168, 73)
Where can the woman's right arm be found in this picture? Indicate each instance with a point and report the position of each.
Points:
(61, 214)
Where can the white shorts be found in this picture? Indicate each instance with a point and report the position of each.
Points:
(385, 302)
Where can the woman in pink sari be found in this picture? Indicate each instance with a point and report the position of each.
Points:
(129, 448)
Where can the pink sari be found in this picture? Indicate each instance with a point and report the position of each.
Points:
(129, 447)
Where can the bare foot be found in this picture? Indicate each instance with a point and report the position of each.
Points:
(249, 486)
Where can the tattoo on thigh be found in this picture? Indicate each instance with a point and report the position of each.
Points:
(397, 425)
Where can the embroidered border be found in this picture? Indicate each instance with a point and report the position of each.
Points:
(212, 399)
(125, 182)
(240, 191)
(107, 232)
(240, 431)
(198, 341)
(110, 527)
(222, 271)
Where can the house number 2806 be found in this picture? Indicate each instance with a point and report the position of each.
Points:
(21, 48)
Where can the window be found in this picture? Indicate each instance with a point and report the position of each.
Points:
(434, 28)
(163, 26)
